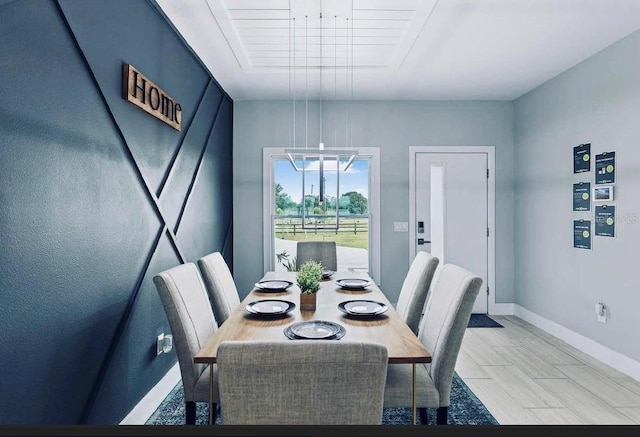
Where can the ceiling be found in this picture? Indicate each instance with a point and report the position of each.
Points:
(396, 49)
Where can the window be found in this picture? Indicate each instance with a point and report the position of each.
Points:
(344, 210)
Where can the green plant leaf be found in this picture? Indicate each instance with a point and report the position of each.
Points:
(309, 277)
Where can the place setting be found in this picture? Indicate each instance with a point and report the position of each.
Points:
(270, 308)
(362, 308)
(315, 330)
(273, 285)
(353, 284)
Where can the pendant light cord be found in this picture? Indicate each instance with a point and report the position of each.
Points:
(294, 83)
(346, 81)
(306, 81)
(320, 71)
(352, 66)
(291, 129)
(335, 79)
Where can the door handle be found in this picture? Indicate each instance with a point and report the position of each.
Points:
(422, 241)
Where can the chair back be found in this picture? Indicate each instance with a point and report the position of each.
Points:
(445, 321)
(415, 288)
(190, 318)
(301, 382)
(220, 284)
(323, 252)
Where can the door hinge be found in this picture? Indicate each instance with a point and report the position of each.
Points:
(487, 232)
(487, 173)
(487, 291)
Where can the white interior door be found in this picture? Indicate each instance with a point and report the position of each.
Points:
(451, 205)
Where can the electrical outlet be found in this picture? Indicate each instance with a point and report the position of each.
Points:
(601, 312)
(164, 343)
(160, 344)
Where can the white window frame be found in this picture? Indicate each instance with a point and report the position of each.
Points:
(373, 204)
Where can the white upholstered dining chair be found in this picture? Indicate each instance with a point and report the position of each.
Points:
(192, 322)
(220, 284)
(415, 288)
(441, 331)
(324, 252)
(301, 382)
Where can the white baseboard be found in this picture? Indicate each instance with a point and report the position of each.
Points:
(610, 357)
(501, 309)
(150, 402)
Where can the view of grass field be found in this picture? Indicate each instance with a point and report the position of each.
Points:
(350, 203)
(351, 233)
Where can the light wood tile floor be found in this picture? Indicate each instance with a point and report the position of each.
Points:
(524, 376)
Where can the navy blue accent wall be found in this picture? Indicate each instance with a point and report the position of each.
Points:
(96, 197)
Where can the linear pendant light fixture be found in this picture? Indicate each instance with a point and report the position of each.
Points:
(300, 156)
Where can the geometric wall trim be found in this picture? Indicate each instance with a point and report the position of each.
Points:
(154, 198)
(99, 197)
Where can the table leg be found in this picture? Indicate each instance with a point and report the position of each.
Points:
(211, 412)
(413, 392)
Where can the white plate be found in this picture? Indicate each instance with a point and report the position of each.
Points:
(290, 335)
(315, 329)
(362, 308)
(368, 307)
(353, 284)
(273, 285)
(270, 307)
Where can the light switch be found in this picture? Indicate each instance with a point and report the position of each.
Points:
(400, 227)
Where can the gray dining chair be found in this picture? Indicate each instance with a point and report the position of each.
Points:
(323, 252)
(192, 322)
(441, 330)
(301, 382)
(220, 285)
(415, 289)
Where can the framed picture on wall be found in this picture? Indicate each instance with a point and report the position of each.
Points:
(602, 193)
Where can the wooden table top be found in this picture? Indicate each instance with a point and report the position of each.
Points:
(388, 329)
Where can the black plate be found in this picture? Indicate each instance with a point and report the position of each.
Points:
(332, 326)
(273, 285)
(353, 283)
(326, 274)
(270, 307)
(362, 308)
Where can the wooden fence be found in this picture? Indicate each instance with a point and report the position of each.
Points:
(296, 228)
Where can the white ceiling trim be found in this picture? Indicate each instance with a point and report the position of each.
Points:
(403, 49)
(266, 35)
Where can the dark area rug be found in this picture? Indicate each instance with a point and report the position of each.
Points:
(482, 321)
(465, 409)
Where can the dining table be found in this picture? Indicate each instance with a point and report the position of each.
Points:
(387, 328)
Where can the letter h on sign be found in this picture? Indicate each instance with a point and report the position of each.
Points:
(139, 84)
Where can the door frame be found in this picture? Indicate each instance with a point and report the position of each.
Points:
(491, 206)
(268, 200)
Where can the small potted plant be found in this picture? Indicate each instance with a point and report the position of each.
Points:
(309, 282)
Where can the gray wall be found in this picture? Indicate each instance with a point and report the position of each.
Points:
(598, 101)
(82, 236)
(392, 126)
